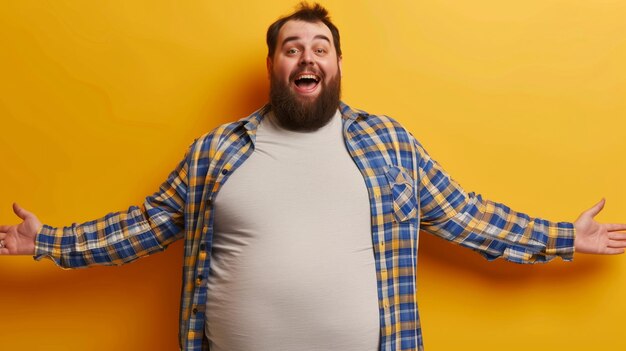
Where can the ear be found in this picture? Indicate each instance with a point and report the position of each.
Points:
(339, 65)
(268, 63)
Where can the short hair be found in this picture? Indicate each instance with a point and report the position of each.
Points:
(305, 12)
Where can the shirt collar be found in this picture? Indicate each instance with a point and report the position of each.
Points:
(348, 113)
(251, 123)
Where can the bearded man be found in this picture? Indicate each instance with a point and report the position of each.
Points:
(301, 221)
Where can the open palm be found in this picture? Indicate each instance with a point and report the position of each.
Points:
(19, 239)
(598, 238)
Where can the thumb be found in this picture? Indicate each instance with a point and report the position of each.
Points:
(20, 212)
(593, 211)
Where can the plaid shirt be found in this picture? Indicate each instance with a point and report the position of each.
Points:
(408, 191)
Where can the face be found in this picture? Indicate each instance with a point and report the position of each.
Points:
(305, 75)
(305, 57)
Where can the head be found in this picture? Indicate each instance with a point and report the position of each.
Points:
(304, 68)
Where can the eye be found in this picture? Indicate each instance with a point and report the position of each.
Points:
(292, 51)
(320, 51)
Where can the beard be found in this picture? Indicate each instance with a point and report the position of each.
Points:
(300, 114)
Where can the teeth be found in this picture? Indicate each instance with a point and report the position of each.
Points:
(308, 76)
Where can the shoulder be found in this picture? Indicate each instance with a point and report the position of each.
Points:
(225, 135)
(381, 125)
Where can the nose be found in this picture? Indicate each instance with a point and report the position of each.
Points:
(306, 58)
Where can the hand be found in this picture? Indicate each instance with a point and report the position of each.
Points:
(598, 238)
(20, 239)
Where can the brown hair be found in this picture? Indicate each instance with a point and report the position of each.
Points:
(305, 12)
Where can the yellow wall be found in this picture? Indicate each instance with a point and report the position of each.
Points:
(521, 101)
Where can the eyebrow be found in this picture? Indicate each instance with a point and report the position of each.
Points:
(292, 38)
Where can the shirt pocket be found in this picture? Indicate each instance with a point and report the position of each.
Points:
(404, 199)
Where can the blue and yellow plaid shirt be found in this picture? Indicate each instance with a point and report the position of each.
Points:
(408, 191)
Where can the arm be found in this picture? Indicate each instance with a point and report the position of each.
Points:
(114, 239)
(494, 230)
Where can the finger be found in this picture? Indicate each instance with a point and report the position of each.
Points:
(4, 228)
(19, 211)
(593, 211)
(614, 251)
(4, 251)
(614, 227)
(616, 244)
(617, 236)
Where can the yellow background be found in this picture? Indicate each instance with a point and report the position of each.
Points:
(522, 101)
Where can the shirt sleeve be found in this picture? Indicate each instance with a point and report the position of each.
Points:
(120, 237)
(492, 229)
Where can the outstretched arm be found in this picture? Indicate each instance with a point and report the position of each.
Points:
(598, 238)
(495, 230)
(19, 239)
(114, 239)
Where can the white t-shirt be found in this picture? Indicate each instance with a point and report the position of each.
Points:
(292, 265)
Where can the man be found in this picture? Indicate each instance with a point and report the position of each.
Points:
(301, 220)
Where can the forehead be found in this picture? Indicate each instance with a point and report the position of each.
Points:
(304, 31)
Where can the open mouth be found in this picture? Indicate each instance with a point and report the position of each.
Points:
(307, 82)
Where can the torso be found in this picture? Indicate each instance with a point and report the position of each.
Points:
(292, 266)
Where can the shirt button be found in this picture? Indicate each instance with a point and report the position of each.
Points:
(224, 171)
(202, 247)
(195, 310)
